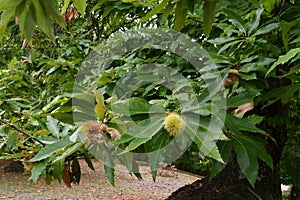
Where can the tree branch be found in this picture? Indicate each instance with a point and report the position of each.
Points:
(21, 131)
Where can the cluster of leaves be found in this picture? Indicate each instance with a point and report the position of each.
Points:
(242, 43)
(248, 47)
(35, 80)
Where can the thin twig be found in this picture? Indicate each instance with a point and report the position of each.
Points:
(256, 195)
(21, 131)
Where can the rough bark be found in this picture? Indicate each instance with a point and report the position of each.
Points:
(229, 184)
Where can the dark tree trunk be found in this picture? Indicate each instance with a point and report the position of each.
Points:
(295, 193)
(230, 184)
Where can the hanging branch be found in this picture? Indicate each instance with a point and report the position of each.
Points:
(21, 131)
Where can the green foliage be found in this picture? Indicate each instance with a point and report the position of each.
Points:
(254, 44)
(209, 15)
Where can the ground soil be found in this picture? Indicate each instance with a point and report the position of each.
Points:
(15, 185)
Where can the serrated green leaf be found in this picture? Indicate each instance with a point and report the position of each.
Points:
(266, 29)
(42, 20)
(284, 93)
(87, 158)
(247, 162)
(284, 58)
(254, 119)
(230, 44)
(156, 151)
(27, 24)
(69, 152)
(103, 154)
(180, 14)
(225, 151)
(248, 151)
(242, 124)
(222, 40)
(131, 106)
(124, 138)
(37, 170)
(51, 149)
(255, 21)
(6, 17)
(52, 125)
(53, 11)
(58, 169)
(143, 132)
(131, 164)
(80, 5)
(209, 15)
(147, 128)
(156, 10)
(110, 174)
(135, 143)
(240, 99)
(236, 20)
(76, 170)
(65, 117)
(205, 138)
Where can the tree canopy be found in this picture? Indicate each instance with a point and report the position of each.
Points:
(136, 80)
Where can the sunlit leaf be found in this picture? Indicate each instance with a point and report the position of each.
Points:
(155, 11)
(69, 151)
(8, 4)
(50, 149)
(52, 125)
(65, 7)
(80, 5)
(6, 17)
(284, 58)
(143, 132)
(266, 29)
(255, 22)
(270, 4)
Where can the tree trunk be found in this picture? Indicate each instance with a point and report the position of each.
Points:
(228, 185)
(295, 193)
